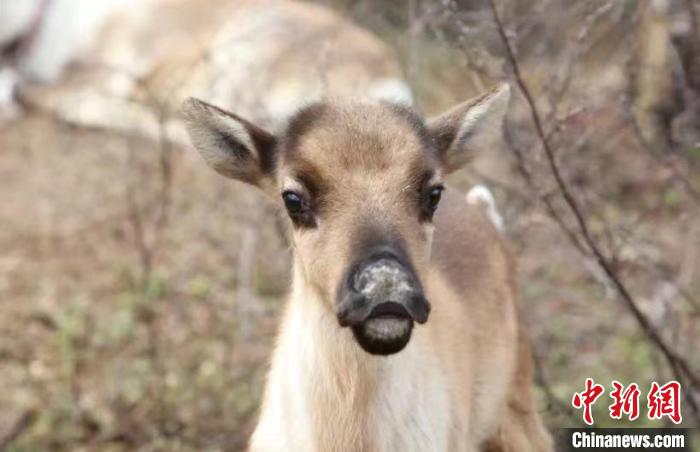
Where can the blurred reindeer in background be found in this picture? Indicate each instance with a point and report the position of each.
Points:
(39, 38)
(266, 58)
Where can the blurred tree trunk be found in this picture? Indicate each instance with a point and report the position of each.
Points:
(665, 74)
(689, 44)
(685, 128)
(654, 97)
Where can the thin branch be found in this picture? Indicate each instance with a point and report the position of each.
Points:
(545, 199)
(562, 80)
(145, 252)
(678, 364)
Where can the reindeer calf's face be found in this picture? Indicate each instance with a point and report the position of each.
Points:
(360, 182)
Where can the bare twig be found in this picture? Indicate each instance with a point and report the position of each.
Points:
(678, 364)
(581, 45)
(545, 199)
(145, 252)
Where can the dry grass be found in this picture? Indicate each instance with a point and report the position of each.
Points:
(105, 354)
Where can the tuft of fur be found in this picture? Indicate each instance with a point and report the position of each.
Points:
(480, 195)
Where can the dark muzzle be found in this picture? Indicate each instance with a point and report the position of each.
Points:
(380, 300)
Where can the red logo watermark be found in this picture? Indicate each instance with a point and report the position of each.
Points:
(626, 400)
(665, 401)
(662, 401)
(587, 398)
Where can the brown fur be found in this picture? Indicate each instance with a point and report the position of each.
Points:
(473, 255)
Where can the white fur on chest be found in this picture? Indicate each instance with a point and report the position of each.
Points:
(285, 418)
(409, 410)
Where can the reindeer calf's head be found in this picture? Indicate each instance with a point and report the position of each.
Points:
(360, 181)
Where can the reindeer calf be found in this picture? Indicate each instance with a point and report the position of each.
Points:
(402, 331)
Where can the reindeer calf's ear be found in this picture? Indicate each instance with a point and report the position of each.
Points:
(231, 145)
(470, 126)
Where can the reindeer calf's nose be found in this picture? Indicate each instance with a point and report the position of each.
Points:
(384, 280)
(383, 287)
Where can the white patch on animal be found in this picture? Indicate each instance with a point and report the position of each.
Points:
(51, 35)
(480, 195)
(8, 82)
(413, 407)
(66, 28)
(393, 90)
(16, 17)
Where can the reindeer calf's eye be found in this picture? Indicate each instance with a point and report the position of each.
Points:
(434, 197)
(293, 202)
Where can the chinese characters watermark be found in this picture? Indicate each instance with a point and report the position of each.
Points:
(662, 401)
